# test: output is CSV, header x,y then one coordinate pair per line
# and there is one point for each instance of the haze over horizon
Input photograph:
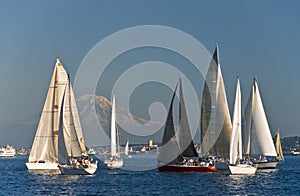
x,y
256,39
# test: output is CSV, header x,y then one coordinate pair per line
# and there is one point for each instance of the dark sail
x,y
169,152
208,106
215,118
185,138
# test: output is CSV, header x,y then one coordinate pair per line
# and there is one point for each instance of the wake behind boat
x,y
182,156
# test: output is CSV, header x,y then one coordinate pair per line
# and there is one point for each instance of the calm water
x,y
16,180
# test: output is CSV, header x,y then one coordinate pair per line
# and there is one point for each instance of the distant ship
x,y
22,151
7,151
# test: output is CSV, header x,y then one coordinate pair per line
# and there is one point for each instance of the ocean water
x,y
15,179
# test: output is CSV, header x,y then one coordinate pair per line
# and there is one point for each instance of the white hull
x,y
114,162
267,165
74,170
7,154
242,169
7,151
42,166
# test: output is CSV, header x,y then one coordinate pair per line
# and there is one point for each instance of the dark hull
x,y
185,168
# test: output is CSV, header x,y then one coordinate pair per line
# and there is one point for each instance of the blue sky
x,y
257,38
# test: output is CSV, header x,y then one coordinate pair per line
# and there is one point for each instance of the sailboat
x,y
257,138
235,164
44,151
180,156
126,152
75,160
114,161
278,147
216,124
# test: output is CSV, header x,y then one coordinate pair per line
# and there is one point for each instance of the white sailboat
x,y
75,160
114,161
126,152
257,140
215,117
235,165
44,151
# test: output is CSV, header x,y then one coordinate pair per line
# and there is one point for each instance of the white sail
x,y
236,137
45,145
114,161
235,166
72,132
113,140
258,139
126,148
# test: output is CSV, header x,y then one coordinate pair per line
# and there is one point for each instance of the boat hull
x,y
43,166
7,155
267,165
186,168
73,170
114,162
242,169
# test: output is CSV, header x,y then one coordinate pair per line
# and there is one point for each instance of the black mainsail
x,y
169,152
185,141
172,152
